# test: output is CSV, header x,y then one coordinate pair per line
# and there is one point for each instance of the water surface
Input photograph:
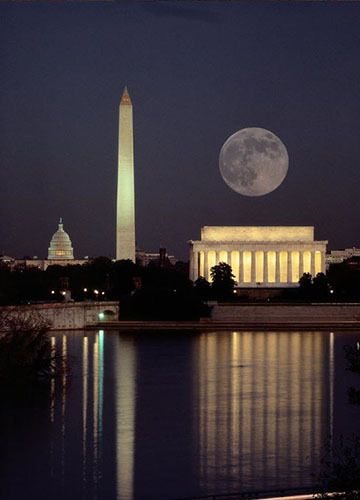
x,y
171,415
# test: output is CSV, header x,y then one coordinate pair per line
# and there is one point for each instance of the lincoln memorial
x,y
260,256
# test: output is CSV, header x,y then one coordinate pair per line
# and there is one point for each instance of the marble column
x,y
206,265
253,268
312,264
196,265
239,269
289,276
277,268
301,263
266,278
241,266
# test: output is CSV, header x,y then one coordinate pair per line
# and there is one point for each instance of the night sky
x,y
196,73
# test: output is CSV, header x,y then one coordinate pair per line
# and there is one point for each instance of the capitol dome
x,y
60,245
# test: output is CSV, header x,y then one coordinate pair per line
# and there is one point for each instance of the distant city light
x,y
63,293
96,292
52,292
102,293
85,289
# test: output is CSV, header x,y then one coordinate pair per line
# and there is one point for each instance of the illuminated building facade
x,y
260,256
339,256
60,245
125,215
60,253
160,258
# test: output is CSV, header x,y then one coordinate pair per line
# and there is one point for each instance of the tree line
x,y
166,289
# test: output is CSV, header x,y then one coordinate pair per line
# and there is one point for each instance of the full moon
x,y
253,162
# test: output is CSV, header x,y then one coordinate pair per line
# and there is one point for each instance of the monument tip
x,y
125,99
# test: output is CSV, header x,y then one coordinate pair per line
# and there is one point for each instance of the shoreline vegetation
x,y
27,357
163,295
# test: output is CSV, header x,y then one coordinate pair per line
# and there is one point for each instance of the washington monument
x,y
125,207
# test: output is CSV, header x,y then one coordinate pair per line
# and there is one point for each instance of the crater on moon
x,y
253,161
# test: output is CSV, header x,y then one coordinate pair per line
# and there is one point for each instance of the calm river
x,y
173,415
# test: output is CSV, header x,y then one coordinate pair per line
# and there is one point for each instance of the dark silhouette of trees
x,y
25,348
344,280
164,294
154,291
202,288
340,470
305,286
320,286
223,281
316,288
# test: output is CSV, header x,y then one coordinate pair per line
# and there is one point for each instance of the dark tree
x,y
202,288
122,279
344,279
223,282
305,286
340,470
320,286
25,349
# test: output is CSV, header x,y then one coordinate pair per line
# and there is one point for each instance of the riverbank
x,y
67,315
240,316
221,325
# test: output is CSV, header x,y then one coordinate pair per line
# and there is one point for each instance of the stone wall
x,y
283,313
71,316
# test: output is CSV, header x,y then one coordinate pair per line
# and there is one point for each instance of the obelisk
x,y
125,207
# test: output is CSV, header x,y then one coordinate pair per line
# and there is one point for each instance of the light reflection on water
x,y
172,415
125,369
264,413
